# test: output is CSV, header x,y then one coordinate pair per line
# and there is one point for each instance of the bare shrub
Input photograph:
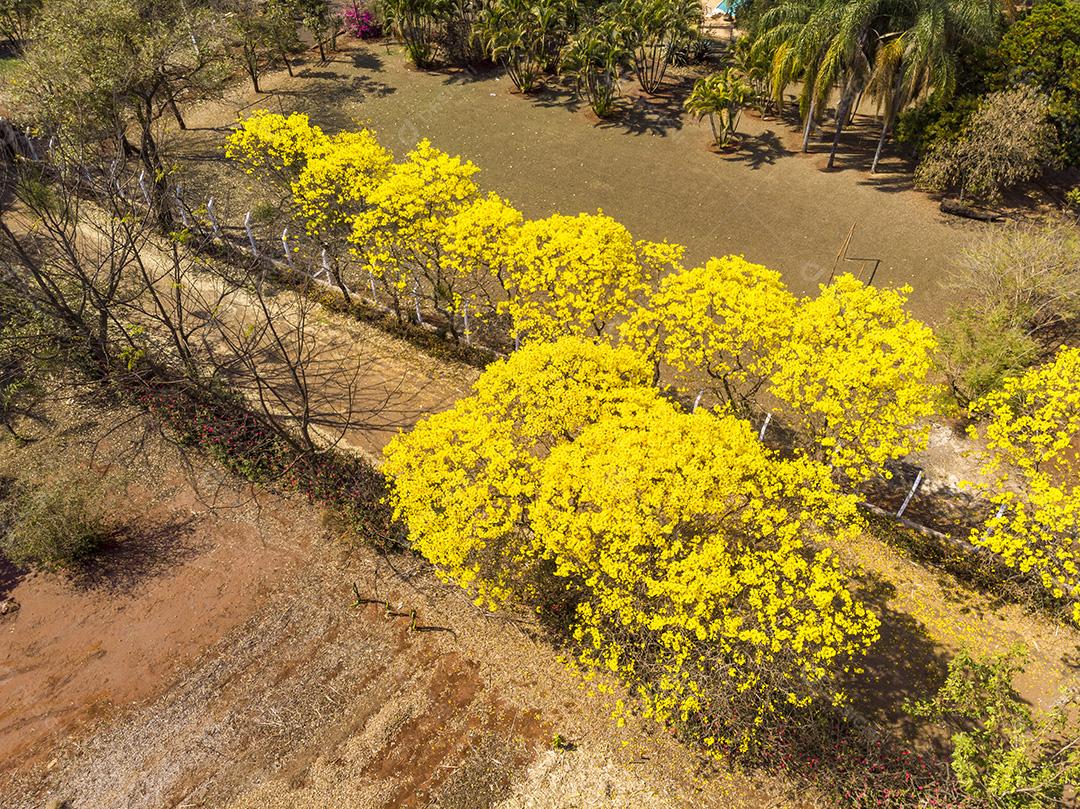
x,y
1008,140
1019,298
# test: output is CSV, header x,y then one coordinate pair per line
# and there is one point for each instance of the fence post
x,y
697,400
416,301
285,247
998,516
764,427
465,317
181,206
910,494
213,218
325,267
250,235
143,188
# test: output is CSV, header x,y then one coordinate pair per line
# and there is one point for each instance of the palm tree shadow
x,y
761,150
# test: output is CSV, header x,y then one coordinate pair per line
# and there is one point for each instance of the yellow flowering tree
x,y
687,539
464,479
274,146
476,246
334,186
679,543
397,238
720,326
852,378
1032,434
575,274
328,178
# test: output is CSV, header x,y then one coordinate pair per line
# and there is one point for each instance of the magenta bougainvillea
x,y
361,23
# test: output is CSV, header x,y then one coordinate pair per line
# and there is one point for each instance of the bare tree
x,y
1009,140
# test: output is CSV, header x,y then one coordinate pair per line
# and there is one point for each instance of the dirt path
x,y
312,700
649,168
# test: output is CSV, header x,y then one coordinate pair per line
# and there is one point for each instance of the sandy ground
x,y
650,167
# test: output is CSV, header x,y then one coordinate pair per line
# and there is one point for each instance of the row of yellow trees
x,y
689,559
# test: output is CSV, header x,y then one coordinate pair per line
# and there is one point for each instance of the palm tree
x,y
824,42
653,30
594,57
919,57
719,97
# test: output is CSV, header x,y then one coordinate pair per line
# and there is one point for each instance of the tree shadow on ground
x,y
905,664
760,150
366,60
554,94
640,113
10,576
473,74
133,554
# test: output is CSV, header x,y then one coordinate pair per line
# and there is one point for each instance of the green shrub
x,y
1004,753
56,523
980,349
922,128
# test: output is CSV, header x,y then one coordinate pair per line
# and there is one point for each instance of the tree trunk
x,y
288,64
175,109
155,170
841,117
809,124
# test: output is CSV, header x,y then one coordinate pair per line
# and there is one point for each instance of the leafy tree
x,y
575,274
852,378
99,70
1042,51
17,18
281,26
654,31
1018,296
727,320
1032,435
1004,753
980,347
321,19
1008,140
720,97
260,34
594,57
